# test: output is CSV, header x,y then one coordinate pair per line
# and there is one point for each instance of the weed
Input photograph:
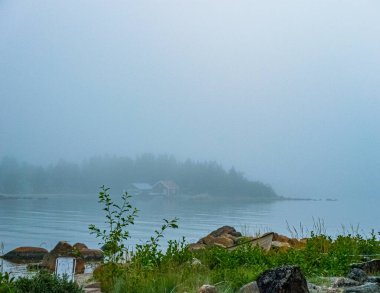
x,y
118,218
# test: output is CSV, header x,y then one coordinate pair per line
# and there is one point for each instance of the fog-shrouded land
x,y
286,91
123,173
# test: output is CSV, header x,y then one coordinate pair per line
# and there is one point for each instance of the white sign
x,y
65,267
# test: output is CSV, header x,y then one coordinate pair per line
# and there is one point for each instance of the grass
x,y
322,256
43,282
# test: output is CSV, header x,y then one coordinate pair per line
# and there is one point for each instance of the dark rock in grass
x,y
286,279
366,288
370,267
250,288
63,249
358,275
26,254
207,289
344,282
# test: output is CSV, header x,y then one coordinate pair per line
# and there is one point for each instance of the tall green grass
x,y
321,256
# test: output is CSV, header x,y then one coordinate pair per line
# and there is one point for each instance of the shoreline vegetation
x,y
340,264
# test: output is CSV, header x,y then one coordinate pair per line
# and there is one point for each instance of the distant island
x,y
145,174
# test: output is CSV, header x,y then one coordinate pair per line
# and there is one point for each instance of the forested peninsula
x,y
192,177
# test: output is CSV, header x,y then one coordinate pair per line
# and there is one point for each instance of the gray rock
x,y
195,262
358,275
366,288
344,282
314,288
369,267
286,279
250,288
207,289
373,279
63,249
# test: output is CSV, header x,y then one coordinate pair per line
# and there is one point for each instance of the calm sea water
x,y
43,220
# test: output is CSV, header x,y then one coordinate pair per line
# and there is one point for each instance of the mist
x,y
286,92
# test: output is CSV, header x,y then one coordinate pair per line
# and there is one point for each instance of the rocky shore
x,y
44,259
361,277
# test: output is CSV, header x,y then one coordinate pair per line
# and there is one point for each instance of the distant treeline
x,y
118,172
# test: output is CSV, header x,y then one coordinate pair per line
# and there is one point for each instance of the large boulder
x,y
222,240
225,230
225,236
88,254
62,249
286,279
358,275
370,267
344,282
25,254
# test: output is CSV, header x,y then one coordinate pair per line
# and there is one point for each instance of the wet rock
x,y
358,275
366,288
286,279
62,249
370,267
250,288
344,282
26,254
207,289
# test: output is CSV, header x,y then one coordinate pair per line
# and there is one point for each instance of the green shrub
x,y
45,282
6,283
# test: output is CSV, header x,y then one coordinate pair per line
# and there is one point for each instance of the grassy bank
x,y
181,270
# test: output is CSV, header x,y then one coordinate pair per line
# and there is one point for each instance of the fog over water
x,y
285,91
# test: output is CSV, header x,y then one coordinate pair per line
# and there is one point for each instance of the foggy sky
x,y
285,91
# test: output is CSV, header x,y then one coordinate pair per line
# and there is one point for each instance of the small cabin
x,y
165,187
